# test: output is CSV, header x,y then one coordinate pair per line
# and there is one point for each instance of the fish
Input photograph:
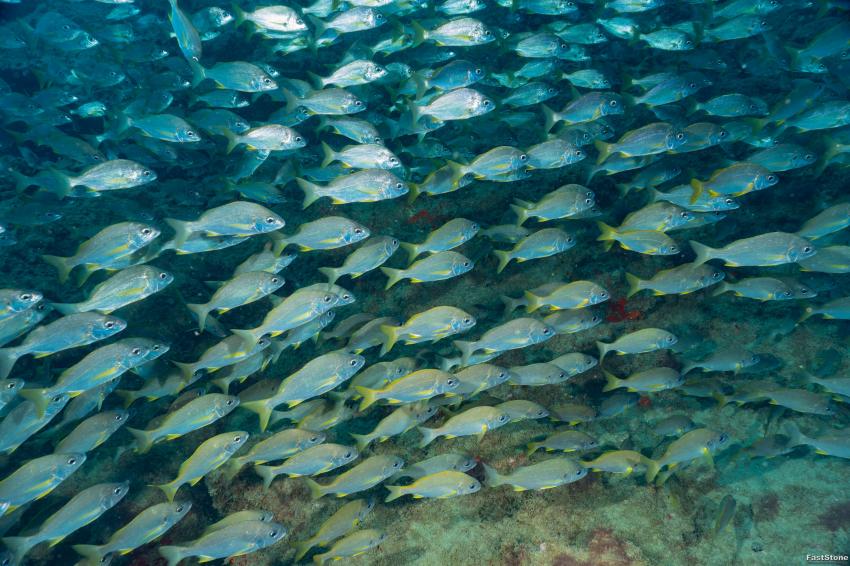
x,y
543,243
238,539
640,341
239,218
647,381
680,280
365,475
837,308
326,233
92,432
243,289
415,386
398,422
574,295
698,443
517,333
771,248
649,242
437,267
315,460
548,474
148,525
209,455
563,202
70,331
343,521
278,446
85,507
37,478
441,485
620,462
128,286
475,421
565,441
354,544
428,326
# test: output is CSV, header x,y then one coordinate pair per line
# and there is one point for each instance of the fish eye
x,y
117,491
671,339
327,298
467,320
109,325
10,385
358,231
163,275
119,417
579,152
190,133
451,382
692,85
479,71
146,173
807,249
347,455
352,363
680,136
298,139
563,46
267,81
396,464
723,437
72,461
523,157
393,160
809,157
487,103
472,486
25,296
66,27
273,534
358,103
729,201
612,103
771,178
588,201
237,438
466,264
547,331
299,21
503,418
717,274
229,402
136,351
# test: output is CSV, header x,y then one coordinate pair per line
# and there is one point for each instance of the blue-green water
x,y
560,168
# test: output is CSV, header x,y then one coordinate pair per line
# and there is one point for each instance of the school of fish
x,y
228,201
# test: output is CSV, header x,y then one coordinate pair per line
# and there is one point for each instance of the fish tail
x,y
635,285
302,548
395,493
466,350
612,382
169,489
328,155
187,370
521,213
263,410
39,398
393,276
279,243
267,474
704,253
792,431
652,469
806,314
369,396
67,308
412,251
532,448
608,233
19,546
420,34
458,171
238,15
413,193
549,117
172,554
247,336
312,192
127,396
233,467
198,72
604,150
181,229
603,349
292,101
504,259
330,273
720,289
200,311
428,435
698,187
232,140
362,440
491,476
532,302
512,304
390,337
61,264
144,439
8,358
318,81
316,490
91,551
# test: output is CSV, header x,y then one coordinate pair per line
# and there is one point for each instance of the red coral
x,y
618,312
